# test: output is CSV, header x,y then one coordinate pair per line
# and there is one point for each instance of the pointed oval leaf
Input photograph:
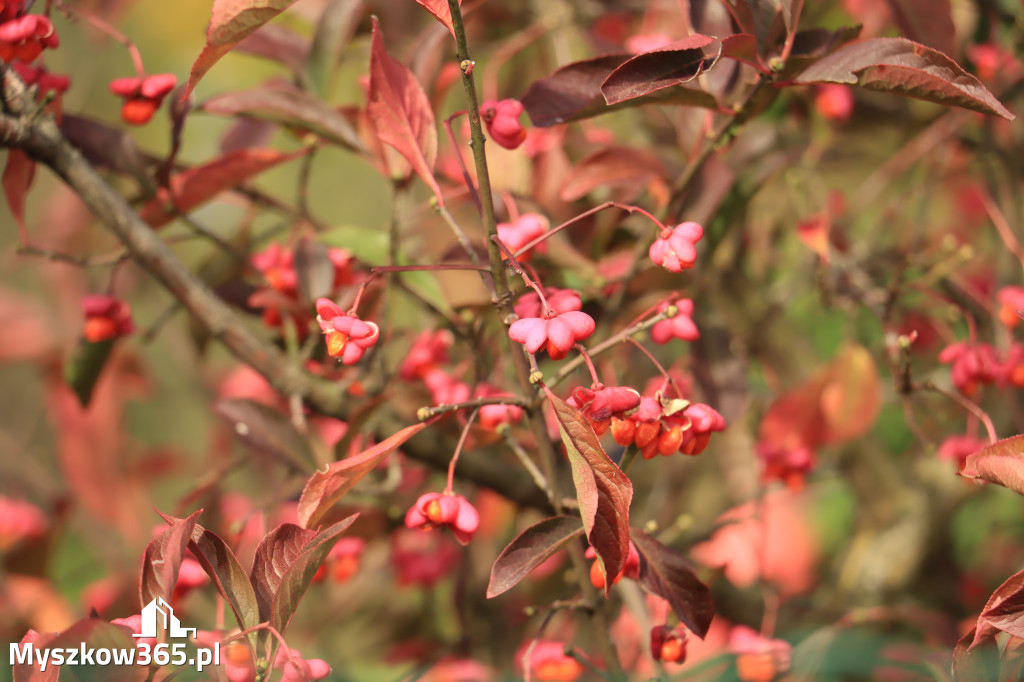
x,y
529,550
573,92
666,573
231,21
324,488
289,107
1001,463
401,112
195,186
603,491
284,565
162,559
742,47
672,64
227,574
1005,608
904,68
269,431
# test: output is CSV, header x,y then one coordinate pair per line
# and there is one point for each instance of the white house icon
x,y
170,623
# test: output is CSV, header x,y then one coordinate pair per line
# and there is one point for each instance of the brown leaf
x,y
666,573
529,550
324,488
673,64
162,559
573,92
1001,463
905,68
290,107
603,491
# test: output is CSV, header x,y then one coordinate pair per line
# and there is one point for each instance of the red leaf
x,y
193,187
926,21
840,402
975,656
610,167
324,488
284,565
231,21
573,92
401,113
905,68
742,47
17,179
1001,463
227,574
30,672
529,550
290,107
672,64
162,559
603,491
441,12
851,396
666,573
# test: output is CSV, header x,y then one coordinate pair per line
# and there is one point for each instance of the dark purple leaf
x,y
529,550
162,559
672,64
926,21
573,92
666,573
603,491
268,431
905,68
811,45
284,565
227,574
761,18
1001,463
324,488
290,107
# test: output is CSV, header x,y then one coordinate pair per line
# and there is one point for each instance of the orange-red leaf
x,y
324,488
441,12
193,187
231,21
401,113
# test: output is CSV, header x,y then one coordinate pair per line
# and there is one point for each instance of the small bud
x,y
536,377
467,66
423,413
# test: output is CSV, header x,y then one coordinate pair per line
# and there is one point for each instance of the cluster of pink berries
x,y
142,95
23,37
106,318
977,364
